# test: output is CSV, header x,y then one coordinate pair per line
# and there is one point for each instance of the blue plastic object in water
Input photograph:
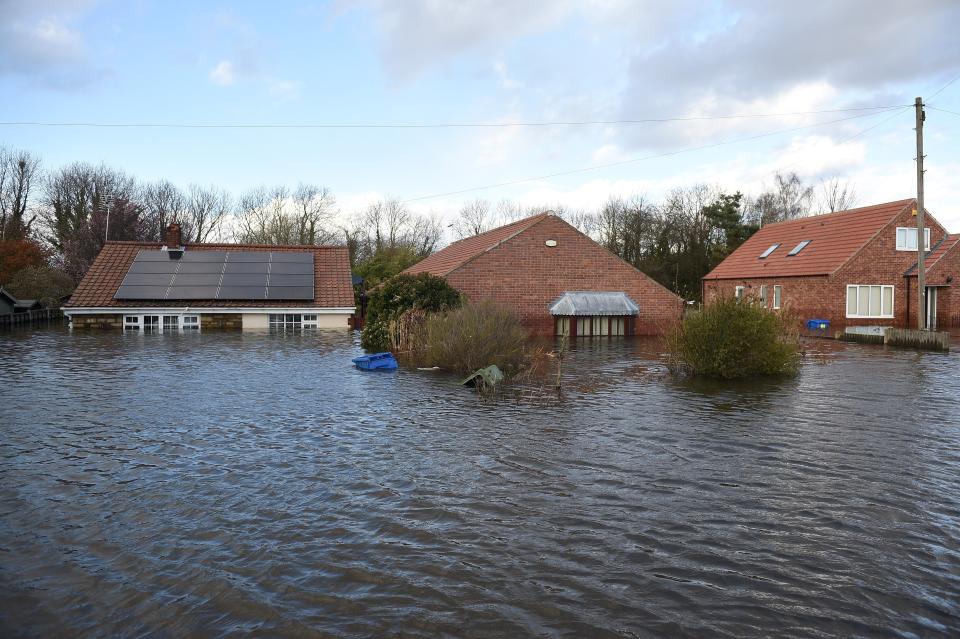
x,y
818,324
377,361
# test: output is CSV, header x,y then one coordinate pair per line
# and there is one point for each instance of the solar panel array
x,y
218,275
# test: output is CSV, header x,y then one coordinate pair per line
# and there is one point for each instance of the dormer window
x,y
799,247
765,254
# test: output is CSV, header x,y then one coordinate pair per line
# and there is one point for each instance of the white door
x,y
932,308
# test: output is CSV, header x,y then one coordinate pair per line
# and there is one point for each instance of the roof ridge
x,y
229,245
820,216
499,228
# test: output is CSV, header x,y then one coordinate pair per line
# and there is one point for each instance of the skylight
x,y
770,250
799,247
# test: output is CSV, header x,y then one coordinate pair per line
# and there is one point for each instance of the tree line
x,y
53,223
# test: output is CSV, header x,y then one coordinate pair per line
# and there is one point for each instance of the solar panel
x,y
302,279
192,293
196,279
290,293
147,279
204,256
247,267
169,267
244,279
284,268
292,257
219,275
242,293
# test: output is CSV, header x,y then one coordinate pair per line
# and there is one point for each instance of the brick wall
x,y
231,321
111,321
526,275
825,297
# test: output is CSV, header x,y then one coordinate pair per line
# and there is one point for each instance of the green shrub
x,y
42,283
731,339
471,337
400,294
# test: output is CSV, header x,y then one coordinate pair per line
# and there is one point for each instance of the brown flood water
x,y
225,484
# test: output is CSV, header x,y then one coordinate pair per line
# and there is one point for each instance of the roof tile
x,y
835,238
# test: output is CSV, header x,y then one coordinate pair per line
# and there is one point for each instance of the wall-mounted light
x,y
551,243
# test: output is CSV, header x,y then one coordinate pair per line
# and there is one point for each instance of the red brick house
x,y
852,268
557,279
159,287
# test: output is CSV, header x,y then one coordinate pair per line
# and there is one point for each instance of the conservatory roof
x,y
594,303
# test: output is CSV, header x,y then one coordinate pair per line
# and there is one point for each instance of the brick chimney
x,y
173,237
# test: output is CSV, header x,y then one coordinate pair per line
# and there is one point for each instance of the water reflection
x,y
226,483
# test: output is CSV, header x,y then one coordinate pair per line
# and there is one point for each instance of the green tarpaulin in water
x,y
489,376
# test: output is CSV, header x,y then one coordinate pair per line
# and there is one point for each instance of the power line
x,y
941,89
449,125
652,157
943,110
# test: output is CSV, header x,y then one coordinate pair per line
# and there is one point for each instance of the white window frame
x,y
777,296
185,321
905,245
739,291
763,295
292,321
868,315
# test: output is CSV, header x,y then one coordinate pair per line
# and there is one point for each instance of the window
x,y
799,247
907,239
869,301
738,292
161,323
770,250
777,296
592,326
763,295
292,321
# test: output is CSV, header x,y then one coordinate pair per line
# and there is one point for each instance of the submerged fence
x,y
29,318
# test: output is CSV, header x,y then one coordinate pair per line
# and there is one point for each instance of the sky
x,y
428,62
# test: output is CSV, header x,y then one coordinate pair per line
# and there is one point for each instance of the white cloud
x,y
40,41
223,74
506,82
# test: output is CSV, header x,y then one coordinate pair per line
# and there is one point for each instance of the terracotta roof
x,y
455,255
936,253
834,239
333,287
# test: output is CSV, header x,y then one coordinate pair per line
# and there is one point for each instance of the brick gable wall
x,y
526,275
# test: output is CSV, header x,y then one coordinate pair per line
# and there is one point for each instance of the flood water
x,y
224,484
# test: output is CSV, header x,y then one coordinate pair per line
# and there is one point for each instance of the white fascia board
x,y
160,310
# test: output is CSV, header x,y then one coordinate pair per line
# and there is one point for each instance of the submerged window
x,y
161,323
591,326
770,250
799,247
874,301
907,239
292,321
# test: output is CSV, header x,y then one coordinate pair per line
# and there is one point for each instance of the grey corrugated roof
x,y
594,303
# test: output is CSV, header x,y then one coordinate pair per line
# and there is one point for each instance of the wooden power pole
x,y
921,243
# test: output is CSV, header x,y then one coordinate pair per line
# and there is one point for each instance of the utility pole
x,y
921,243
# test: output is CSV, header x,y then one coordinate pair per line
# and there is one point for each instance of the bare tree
x,y
314,209
787,199
163,203
207,208
836,196
388,231
475,217
277,216
18,172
